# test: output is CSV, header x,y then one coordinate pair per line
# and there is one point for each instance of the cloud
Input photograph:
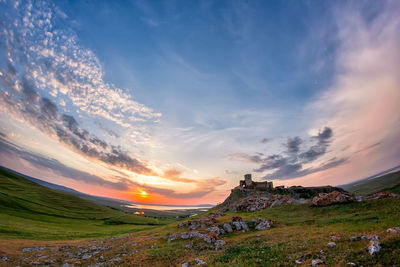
x,y
293,145
290,162
9,149
42,57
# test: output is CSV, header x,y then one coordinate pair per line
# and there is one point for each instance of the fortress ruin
x,y
248,183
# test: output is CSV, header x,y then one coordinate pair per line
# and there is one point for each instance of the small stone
x,y
185,264
219,243
299,261
335,237
374,246
200,262
4,258
86,256
351,263
189,246
331,244
316,262
394,230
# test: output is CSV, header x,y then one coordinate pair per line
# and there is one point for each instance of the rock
x,y
172,237
394,230
219,243
4,258
34,263
382,195
189,246
30,249
325,199
374,246
227,227
86,256
237,225
67,265
214,229
373,237
316,262
185,235
299,261
264,224
244,226
331,244
351,263
335,237
200,262
185,264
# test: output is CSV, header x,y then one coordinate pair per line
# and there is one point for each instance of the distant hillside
x,y
123,205
28,209
388,182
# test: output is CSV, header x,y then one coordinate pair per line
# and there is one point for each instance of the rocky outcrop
x,y
256,200
325,199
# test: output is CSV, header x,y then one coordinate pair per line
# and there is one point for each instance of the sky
x,y
172,102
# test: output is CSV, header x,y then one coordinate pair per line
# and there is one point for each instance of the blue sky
x,y
166,96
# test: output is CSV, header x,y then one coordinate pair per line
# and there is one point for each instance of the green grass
x,y
31,211
300,231
389,182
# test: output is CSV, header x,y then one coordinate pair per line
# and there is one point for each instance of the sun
x,y
143,193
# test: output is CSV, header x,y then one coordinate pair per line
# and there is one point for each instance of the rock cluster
x,y
212,233
259,201
325,199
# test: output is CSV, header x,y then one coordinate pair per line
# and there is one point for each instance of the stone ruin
x,y
248,183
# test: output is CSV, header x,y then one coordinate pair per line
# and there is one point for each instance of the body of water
x,y
161,207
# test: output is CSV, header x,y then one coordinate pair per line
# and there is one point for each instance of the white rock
x,y
394,230
374,246
185,264
316,262
300,261
200,262
331,244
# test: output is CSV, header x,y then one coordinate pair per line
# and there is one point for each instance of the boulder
x,y
264,225
227,227
394,230
219,243
325,199
374,246
214,229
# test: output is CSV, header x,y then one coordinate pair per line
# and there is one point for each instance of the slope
x,y
388,182
29,210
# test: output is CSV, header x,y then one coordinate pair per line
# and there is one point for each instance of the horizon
x,y
170,103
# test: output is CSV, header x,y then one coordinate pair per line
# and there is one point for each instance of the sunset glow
x,y
172,104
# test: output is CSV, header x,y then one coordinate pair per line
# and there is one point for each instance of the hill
x,y
170,211
387,182
31,211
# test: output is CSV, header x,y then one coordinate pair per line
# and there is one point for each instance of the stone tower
x,y
247,180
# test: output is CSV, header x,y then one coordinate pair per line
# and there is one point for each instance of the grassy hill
x,y
31,211
388,182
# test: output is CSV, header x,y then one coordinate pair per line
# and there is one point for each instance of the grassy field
x,y
388,182
300,232
31,211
